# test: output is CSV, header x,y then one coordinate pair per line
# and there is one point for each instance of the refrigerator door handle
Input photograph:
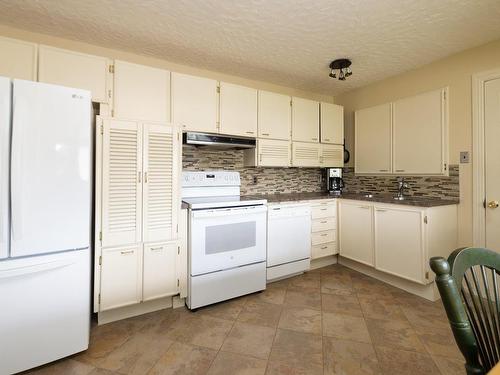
x,y
35,268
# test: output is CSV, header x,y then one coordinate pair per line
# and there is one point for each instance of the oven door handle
x,y
230,211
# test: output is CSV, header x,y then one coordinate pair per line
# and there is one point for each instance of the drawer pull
x,y
324,247
127,252
157,248
249,132
324,234
266,134
379,210
324,222
323,209
400,170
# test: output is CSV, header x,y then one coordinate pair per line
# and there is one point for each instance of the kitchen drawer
x,y
323,237
324,210
327,223
323,250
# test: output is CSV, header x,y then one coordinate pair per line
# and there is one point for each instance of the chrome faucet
x,y
402,185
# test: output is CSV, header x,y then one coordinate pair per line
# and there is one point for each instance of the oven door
x,y
226,238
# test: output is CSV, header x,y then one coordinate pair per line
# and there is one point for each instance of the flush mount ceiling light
x,y
343,68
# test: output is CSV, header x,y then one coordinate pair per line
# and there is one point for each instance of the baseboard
x,y
109,316
428,291
323,262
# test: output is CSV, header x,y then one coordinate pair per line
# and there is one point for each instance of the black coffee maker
x,y
334,180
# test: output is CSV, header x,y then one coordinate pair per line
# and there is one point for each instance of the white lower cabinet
x,y
399,242
397,239
323,228
121,277
138,273
356,231
160,277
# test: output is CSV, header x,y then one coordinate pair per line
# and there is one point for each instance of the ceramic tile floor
x,y
327,321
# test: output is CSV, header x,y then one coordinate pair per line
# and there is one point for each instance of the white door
x,y
356,231
5,95
194,103
51,172
332,155
74,69
305,120
121,276
121,182
19,59
160,277
226,238
238,110
492,162
141,92
306,154
332,123
373,140
45,311
419,134
274,115
161,160
399,246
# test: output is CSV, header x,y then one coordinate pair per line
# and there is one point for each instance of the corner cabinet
x,y
397,239
138,165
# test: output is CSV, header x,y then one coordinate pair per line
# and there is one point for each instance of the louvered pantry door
x,y
161,177
121,182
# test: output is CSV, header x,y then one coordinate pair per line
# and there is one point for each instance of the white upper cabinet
x,y
373,140
305,120
19,59
274,115
306,154
194,103
332,155
332,123
141,92
161,165
121,182
419,133
268,153
74,69
238,110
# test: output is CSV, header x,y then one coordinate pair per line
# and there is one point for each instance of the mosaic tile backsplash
x,y
308,180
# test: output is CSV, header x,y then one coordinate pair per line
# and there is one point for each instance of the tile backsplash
x,y
305,180
253,180
444,187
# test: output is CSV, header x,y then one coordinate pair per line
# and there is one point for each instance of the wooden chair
x,y
469,288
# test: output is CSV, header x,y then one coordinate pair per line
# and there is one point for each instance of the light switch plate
x,y
464,157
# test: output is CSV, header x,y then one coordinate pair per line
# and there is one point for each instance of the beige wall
x,y
10,32
454,71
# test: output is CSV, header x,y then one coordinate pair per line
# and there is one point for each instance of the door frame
x,y
478,156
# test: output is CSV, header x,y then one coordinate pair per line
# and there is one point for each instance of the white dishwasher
x,y
288,239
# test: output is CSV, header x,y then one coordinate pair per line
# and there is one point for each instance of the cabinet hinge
x,y
178,250
178,283
100,260
112,113
444,95
445,166
112,69
426,220
177,228
99,299
218,89
100,236
427,275
102,129
109,93
290,102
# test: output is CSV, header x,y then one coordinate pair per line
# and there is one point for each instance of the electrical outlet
x,y
255,179
464,157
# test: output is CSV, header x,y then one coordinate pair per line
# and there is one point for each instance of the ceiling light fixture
x,y
343,68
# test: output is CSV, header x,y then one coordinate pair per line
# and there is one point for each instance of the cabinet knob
x,y
493,204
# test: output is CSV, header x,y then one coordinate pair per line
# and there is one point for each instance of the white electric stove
x,y
226,238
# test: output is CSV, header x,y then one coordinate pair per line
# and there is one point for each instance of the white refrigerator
x,y
45,208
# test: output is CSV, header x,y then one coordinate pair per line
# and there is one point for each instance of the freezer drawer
x,y
45,312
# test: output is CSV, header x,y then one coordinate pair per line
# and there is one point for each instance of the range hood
x,y
217,141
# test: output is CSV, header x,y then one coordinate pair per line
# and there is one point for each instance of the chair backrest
x,y
469,287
